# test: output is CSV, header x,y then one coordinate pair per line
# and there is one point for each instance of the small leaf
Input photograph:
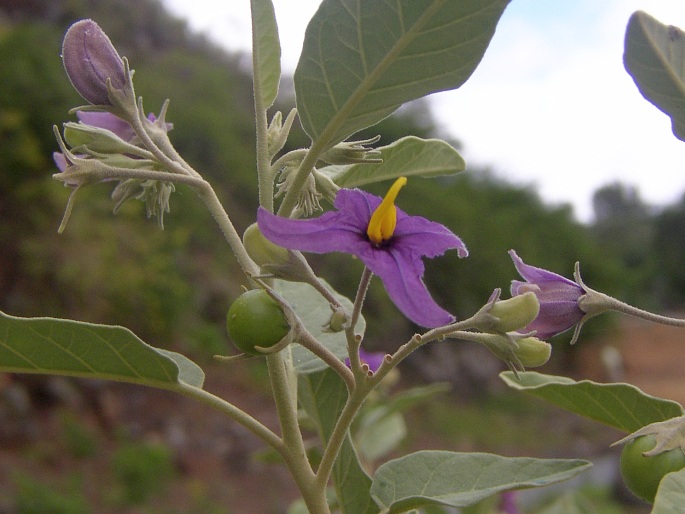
x,y
461,479
362,59
406,157
622,406
323,396
315,312
266,51
73,348
670,496
655,58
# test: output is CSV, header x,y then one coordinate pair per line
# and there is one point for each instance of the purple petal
x,y
330,232
555,318
108,121
60,160
538,275
557,295
425,237
401,275
357,206
372,359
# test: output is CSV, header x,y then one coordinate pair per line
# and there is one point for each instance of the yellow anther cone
x,y
384,218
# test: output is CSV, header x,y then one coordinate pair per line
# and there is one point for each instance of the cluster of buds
x,y
542,306
502,324
106,144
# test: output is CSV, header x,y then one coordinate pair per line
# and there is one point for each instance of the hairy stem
x,y
236,414
208,196
295,453
354,341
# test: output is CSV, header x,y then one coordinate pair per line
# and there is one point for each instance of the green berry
x,y
255,319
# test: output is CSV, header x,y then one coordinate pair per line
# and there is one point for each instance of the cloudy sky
x,y
550,105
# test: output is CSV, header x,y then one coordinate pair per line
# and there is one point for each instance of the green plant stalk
x,y
294,451
353,341
233,412
113,172
364,385
208,196
264,173
162,150
312,344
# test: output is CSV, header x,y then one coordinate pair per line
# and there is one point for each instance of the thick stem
x,y
295,453
264,174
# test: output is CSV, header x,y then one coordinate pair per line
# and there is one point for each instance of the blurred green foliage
x,y
36,497
141,470
173,287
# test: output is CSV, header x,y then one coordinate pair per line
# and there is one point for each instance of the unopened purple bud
x,y
91,60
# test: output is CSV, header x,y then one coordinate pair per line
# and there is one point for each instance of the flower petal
x,y
401,274
425,237
330,232
108,121
539,276
555,318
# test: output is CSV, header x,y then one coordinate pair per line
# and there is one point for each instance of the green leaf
x,y
266,51
622,406
73,348
315,312
655,57
362,59
375,439
670,497
406,157
461,479
380,429
323,396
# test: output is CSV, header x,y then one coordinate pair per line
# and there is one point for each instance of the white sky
x,y
550,105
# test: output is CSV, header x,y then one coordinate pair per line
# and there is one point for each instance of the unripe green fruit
x,y
261,249
532,352
255,319
642,474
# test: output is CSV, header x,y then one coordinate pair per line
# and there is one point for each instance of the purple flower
x,y
508,504
372,359
91,61
108,121
387,240
558,298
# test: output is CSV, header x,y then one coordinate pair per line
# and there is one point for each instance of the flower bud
x,y
95,139
515,313
91,61
532,352
338,321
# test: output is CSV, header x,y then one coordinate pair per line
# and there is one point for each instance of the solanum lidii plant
x,y
361,60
